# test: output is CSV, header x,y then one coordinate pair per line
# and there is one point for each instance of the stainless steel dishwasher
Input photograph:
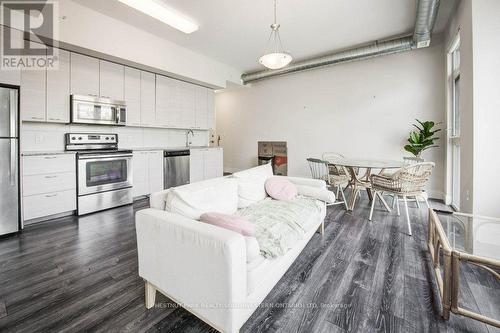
x,y
175,167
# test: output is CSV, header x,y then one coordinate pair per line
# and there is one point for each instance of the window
x,y
453,132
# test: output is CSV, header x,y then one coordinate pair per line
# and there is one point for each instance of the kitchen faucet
x,y
188,143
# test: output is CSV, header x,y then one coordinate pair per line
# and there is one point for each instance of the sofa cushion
x,y
230,222
281,189
218,195
251,184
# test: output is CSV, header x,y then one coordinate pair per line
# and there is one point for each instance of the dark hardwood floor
x,y
80,274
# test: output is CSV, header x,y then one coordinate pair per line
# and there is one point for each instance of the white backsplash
x,y
50,137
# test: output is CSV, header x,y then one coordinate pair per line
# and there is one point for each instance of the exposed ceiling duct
x,y
424,23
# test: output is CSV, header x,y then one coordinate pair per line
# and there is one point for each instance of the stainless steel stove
x,y
104,172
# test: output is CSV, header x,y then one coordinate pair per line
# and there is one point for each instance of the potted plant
x,y
422,139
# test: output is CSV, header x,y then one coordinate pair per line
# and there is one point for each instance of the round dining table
x,y
358,181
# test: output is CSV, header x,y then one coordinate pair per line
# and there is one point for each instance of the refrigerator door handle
x,y
13,113
13,165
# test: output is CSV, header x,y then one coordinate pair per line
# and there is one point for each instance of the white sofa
x,y
203,267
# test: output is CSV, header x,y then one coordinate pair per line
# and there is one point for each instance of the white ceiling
x,y
235,32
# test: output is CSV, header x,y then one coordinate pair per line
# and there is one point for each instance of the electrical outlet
x,y
467,195
38,138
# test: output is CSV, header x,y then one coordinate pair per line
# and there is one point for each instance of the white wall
x,y
92,30
462,21
362,109
479,28
50,137
486,38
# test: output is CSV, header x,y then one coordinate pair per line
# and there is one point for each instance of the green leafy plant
x,y
423,139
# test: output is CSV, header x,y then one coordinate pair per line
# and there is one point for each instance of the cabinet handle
x,y
50,157
51,195
93,95
50,177
58,119
37,118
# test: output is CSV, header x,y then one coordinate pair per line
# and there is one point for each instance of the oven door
x,y
100,173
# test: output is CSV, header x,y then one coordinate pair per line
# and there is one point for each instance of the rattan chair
x,y
339,175
409,181
321,169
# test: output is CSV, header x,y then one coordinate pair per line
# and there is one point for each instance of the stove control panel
x,y
91,141
82,138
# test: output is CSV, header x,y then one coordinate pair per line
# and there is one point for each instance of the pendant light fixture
x,y
276,58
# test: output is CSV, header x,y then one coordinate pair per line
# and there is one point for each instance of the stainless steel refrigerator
x,y
9,160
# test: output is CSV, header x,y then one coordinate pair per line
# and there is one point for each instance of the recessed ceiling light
x,y
162,13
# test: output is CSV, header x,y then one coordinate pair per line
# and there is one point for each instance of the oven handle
x,y
104,157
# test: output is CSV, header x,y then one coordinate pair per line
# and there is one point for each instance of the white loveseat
x,y
203,267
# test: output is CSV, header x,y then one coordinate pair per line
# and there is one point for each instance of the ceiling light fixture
x,y
162,13
276,58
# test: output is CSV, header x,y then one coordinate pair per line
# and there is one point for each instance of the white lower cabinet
x,y
147,172
49,185
205,163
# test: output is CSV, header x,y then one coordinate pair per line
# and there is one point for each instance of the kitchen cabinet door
x,y
196,165
132,96
164,96
155,170
12,77
201,111
111,80
213,163
140,174
148,99
188,109
210,109
84,75
58,90
33,94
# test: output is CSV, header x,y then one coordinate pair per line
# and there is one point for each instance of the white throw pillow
x,y
218,195
251,184
316,193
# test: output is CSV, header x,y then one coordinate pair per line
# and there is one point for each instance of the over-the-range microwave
x,y
99,111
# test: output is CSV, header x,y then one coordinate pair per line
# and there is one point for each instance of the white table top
x,y
363,163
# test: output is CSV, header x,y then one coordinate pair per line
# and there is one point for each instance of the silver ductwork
x,y
424,23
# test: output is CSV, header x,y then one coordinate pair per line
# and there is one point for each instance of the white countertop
x,y
59,152
50,152
172,148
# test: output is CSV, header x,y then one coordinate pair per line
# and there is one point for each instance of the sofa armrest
x,y
199,265
318,183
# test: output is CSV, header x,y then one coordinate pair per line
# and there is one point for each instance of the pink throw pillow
x,y
281,189
231,222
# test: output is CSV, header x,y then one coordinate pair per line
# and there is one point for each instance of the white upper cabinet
x,y
148,92
132,96
210,109
165,91
12,77
111,80
58,90
201,100
33,94
187,101
84,75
